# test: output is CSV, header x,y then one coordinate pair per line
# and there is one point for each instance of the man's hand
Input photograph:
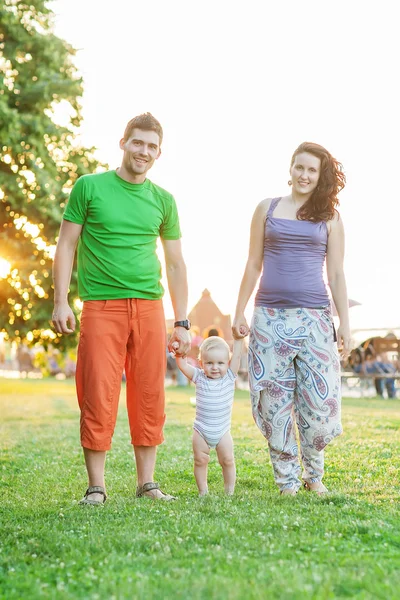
x,y
62,316
181,336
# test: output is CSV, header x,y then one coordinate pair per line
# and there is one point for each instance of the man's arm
x,y
178,290
237,353
62,269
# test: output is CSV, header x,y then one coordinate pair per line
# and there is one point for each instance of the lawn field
x,y
254,545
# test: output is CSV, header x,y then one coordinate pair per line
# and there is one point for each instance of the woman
x,y
294,369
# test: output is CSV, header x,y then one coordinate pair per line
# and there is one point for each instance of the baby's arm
x,y
182,363
237,353
184,366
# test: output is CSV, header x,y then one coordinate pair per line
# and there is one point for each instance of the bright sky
x,y
237,87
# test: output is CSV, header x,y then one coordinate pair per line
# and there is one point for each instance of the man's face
x,y
140,151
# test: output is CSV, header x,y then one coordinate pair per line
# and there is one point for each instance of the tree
x,y
39,162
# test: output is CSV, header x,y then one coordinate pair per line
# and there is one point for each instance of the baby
x,y
215,387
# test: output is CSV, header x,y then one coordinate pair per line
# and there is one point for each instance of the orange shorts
x,y
118,334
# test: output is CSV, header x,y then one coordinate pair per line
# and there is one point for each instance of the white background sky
x,y
237,87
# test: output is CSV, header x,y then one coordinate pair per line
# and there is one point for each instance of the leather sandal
x,y
321,490
94,489
143,492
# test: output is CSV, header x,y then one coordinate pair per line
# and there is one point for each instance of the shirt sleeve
x,y
197,374
77,203
170,228
231,375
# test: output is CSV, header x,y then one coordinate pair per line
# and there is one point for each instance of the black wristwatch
x,y
186,324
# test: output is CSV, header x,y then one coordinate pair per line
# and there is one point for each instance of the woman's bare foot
x,y
317,487
288,492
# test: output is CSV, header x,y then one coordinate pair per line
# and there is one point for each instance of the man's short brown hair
x,y
146,122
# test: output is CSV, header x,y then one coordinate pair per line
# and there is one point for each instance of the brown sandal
x,y
94,489
142,492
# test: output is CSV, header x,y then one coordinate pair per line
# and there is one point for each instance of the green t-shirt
x,y
121,224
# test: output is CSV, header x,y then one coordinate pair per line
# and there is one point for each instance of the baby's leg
x,y
227,462
201,453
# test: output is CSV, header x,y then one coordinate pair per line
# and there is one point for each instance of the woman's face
x,y
305,173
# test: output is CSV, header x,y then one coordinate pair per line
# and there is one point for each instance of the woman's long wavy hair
x,y
321,206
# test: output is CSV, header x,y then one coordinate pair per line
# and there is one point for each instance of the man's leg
x,y
145,368
95,462
391,387
145,457
379,386
101,354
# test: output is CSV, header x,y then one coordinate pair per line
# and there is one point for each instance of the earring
x,y
290,182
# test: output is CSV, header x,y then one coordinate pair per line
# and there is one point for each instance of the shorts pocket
x,y
95,305
327,313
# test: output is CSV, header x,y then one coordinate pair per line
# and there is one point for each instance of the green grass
x,y
255,545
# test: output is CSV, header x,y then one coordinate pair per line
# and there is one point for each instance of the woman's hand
x,y
344,341
240,328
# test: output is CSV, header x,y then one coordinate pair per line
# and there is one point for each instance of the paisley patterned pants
x,y
294,376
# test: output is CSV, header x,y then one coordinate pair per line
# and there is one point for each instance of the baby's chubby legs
x,y
226,459
227,462
201,453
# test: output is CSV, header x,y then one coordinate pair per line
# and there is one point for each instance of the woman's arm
x,y
337,281
253,269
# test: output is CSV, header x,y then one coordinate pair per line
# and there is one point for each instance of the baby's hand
x,y
243,330
175,346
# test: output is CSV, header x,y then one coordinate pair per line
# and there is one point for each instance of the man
x,y
117,217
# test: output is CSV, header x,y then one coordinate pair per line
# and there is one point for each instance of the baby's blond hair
x,y
214,341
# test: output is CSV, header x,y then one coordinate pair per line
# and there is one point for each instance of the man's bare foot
x,y
203,492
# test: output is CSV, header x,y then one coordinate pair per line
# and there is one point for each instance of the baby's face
x,y
215,362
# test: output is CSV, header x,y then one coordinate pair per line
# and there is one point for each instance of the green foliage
x,y
39,162
254,545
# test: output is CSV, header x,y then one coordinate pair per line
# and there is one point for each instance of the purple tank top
x,y
294,256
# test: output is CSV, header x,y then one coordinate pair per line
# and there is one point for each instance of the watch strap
x,y
185,324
